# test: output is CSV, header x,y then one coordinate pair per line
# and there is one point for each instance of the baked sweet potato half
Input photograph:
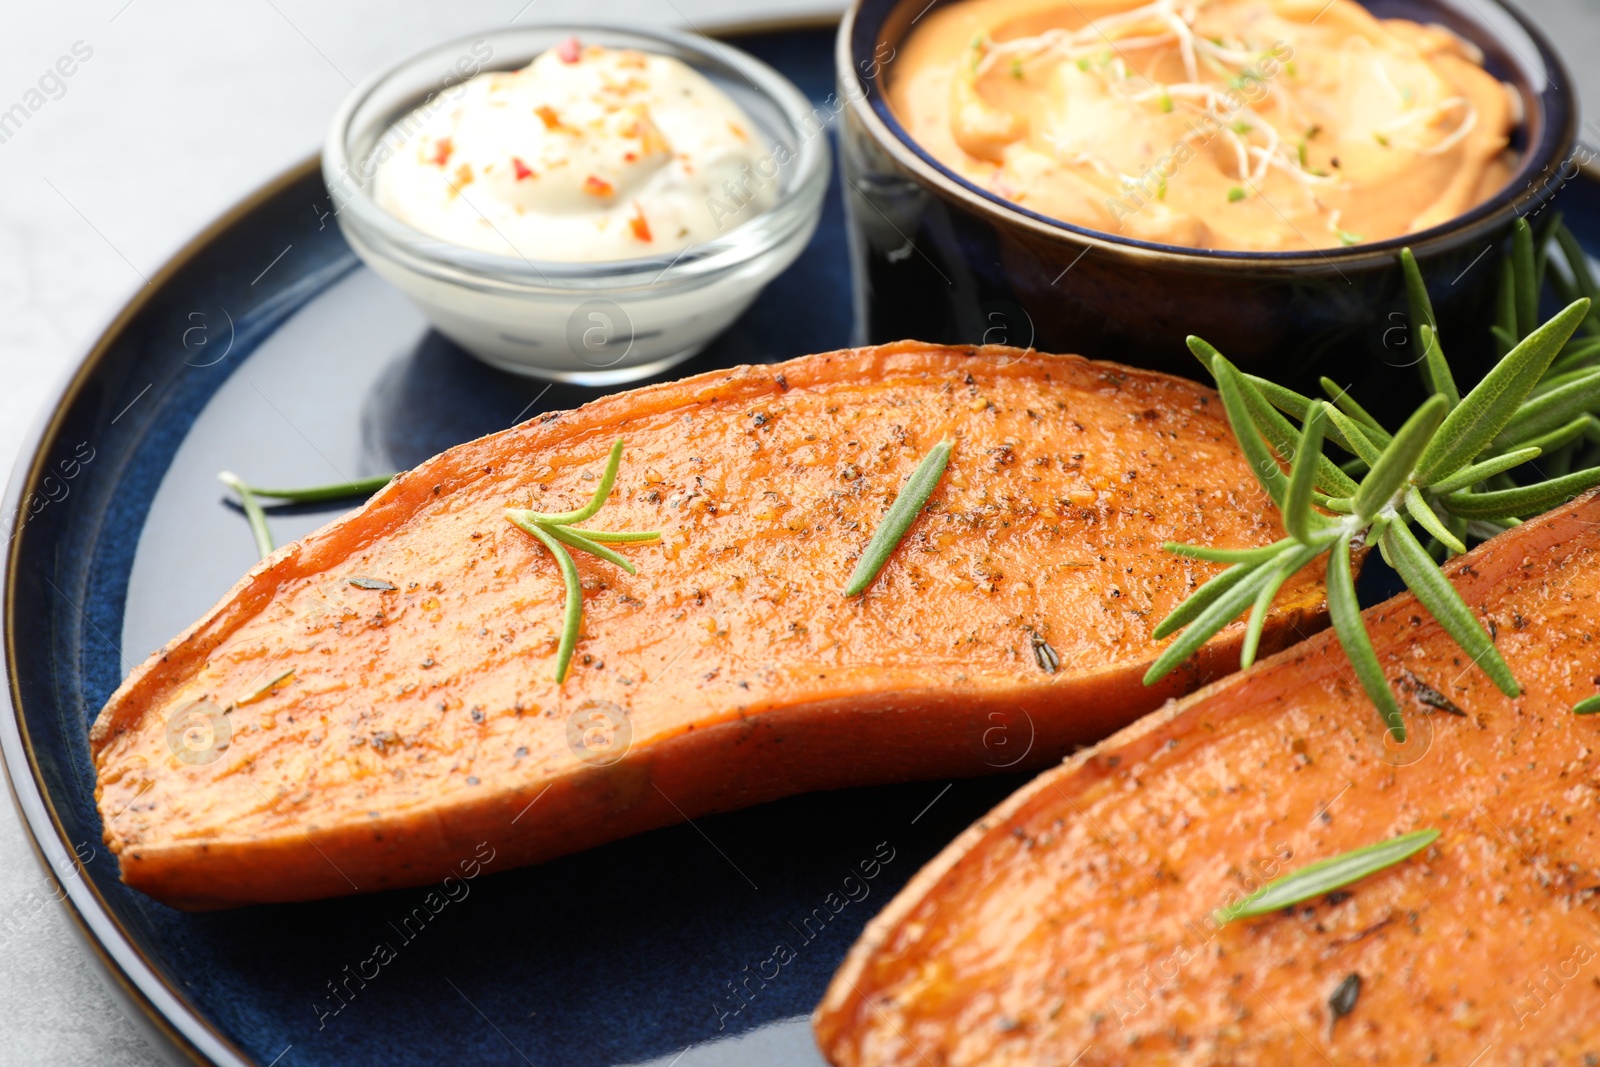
x,y
422,718
1075,923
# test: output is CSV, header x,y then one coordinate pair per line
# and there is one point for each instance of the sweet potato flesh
x,y
423,719
1073,924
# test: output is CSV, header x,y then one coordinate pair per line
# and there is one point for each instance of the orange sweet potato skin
x,y
1073,923
423,720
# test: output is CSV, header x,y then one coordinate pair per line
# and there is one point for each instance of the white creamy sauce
x,y
586,154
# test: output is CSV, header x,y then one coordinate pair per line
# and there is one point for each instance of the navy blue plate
x,y
266,349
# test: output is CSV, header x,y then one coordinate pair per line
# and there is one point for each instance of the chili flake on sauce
x,y
585,154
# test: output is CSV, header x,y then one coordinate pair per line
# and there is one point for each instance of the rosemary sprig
x,y
1447,471
250,499
902,513
1324,876
554,531
252,511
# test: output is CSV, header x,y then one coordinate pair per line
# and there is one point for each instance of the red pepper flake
x,y
597,186
552,121
441,154
570,50
641,228
521,169
652,142
630,157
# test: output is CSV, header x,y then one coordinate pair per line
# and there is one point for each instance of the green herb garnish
x,y
1446,471
553,530
1235,194
1016,69
901,514
252,511
1380,138
1347,238
1342,1001
317,494
263,690
1587,707
1166,102
249,499
1324,876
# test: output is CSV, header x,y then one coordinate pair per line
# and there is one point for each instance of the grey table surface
x,y
181,109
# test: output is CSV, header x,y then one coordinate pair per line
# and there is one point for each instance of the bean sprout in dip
x,y
1257,125
585,154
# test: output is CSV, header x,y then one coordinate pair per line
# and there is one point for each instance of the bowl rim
x,y
386,234
1525,192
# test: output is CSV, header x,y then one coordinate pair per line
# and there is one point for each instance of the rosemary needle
x,y
1324,876
572,616
252,511
901,514
1587,707
316,494
262,691
576,539
596,502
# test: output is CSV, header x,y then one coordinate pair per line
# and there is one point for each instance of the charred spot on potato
x,y
1427,695
1343,999
1045,656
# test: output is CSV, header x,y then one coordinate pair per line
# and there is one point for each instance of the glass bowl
x,y
590,323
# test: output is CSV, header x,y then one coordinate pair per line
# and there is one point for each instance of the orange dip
x,y
1261,125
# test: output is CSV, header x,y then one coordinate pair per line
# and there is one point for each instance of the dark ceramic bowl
x,y
941,259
